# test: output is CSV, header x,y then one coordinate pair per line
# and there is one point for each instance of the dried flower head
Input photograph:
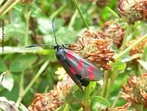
x,y
113,32
122,108
95,49
132,10
138,48
52,100
136,90
125,107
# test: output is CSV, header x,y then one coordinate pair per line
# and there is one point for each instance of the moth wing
x,y
84,68
72,73
63,60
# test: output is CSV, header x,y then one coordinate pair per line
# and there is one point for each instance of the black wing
x,y
85,69
63,60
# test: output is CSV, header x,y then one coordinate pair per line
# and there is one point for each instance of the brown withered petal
x,y
112,31
123,108
136,90
127,89
144,95
45,102
52,100
94,48
132,10
138,48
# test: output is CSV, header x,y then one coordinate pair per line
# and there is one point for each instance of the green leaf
x,y
92,86
99,102
7,80
37,12
118,65
79,94
22,63
2,66
75,106
143,63
66,35
58,23
61,108
22,107
44,25
144,57
15,31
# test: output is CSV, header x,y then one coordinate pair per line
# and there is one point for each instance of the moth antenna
x,y
36,45
53,27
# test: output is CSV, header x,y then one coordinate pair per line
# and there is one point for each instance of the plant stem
x,y
1,1
112,12
76,4
108,88
36,76
32,82
104,85
87,101
7,6
57,12
73,18
36,50
67,107
27,17
119,56
127,33
130,47
115,101
21,88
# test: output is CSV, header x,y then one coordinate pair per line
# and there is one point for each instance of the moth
x,y
79,69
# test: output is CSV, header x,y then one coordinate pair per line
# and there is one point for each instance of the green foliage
x,y
22,63
32,70
2,66
99,102
7,80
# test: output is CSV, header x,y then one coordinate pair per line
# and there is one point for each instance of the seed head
x,y
132,10
52,100
136,90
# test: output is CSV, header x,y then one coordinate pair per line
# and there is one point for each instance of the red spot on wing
x,y
69,54
80,64
72,70
90,72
